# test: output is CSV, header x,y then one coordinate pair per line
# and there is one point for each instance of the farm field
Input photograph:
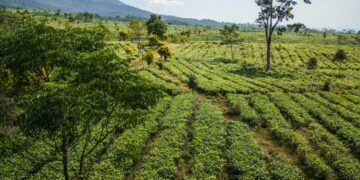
x,y
286,116
216,116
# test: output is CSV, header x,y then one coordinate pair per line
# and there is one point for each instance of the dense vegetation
x,y
86,98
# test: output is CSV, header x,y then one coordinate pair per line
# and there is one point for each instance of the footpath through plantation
x,y
182,105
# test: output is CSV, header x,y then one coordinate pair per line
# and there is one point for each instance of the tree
x,y
192,83
137,28
154,41
230,36
31,38
340,57
296,27
90,95
312,63
57,12
129,51
71,19
156,26
272,13
123,35
183,39
164,52
149,57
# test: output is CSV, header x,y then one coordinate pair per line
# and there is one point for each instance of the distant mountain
x,y
101,7
106,8
27,4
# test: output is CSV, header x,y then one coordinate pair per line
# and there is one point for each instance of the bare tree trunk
x,y
268,55
64,151
232,52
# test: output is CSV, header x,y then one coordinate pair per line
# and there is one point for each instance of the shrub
x,y
240,106
149,57
246,158
208,142
326,86
123,35
340,56
312,63
193,83
183,39
282,169
160,162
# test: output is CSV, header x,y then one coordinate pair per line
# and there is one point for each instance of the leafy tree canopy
x,y
155,25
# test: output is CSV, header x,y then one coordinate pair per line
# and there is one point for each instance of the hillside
x,y
106,8
96,98
28,4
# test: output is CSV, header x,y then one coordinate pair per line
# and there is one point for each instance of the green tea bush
x,y
208,142
246,158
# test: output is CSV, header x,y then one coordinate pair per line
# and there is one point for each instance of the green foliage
x,y
208,140
192,83
136,27
183,39
333,98
85,87
345,113
160,162
164,52
157,77
283,133
85,17
230,33
96,111
312,63
296,27
340,56
149,57
28,42
128,149
154,41
246,158
123,35
282,169
6,78
326,86
271,15
324,141
240,106
156,26
335,124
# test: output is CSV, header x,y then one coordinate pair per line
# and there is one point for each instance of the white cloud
x,y
167,2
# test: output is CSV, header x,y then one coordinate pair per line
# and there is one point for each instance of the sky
x,y
337,14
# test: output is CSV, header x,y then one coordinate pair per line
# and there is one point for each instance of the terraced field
x,y
273,136
253,125
218,118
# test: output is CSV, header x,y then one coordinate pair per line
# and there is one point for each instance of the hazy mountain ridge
x,y
108,8
28,4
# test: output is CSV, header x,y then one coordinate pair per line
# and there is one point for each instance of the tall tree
x,y
230,36
137,28
164,52
273,12
155,25
296,27
154,42
90,95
